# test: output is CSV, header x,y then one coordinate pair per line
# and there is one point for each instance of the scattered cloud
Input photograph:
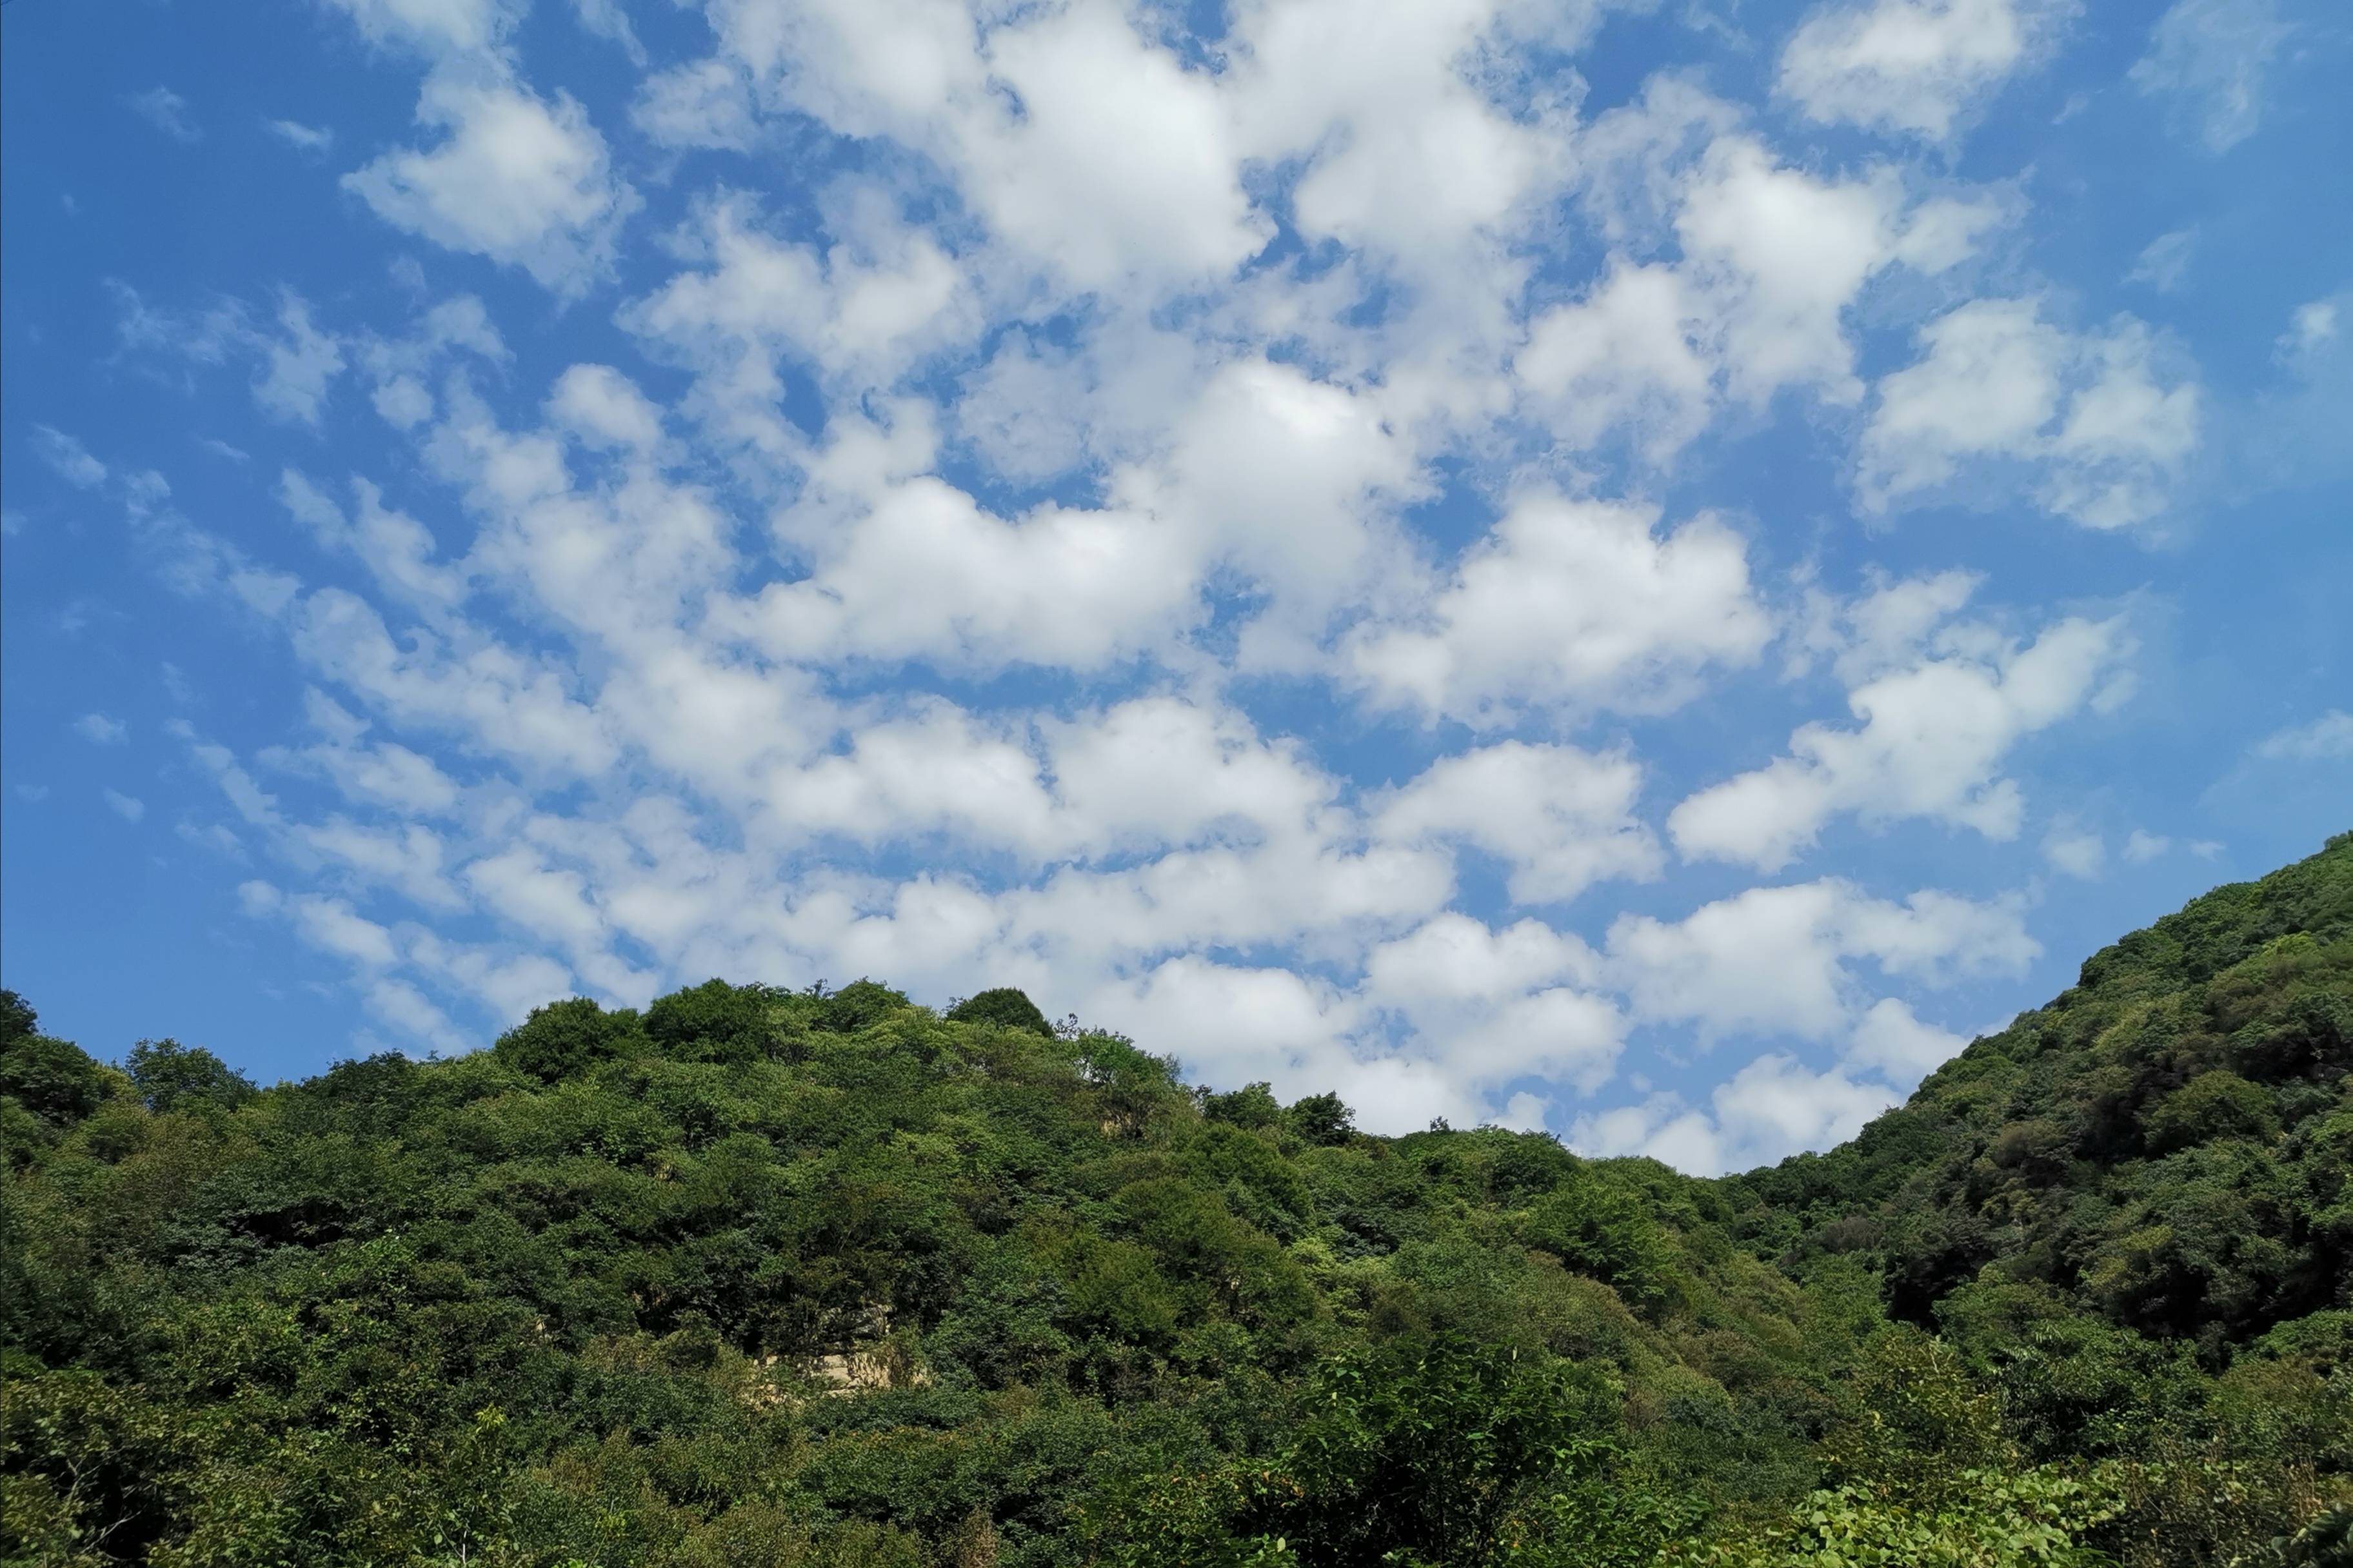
x,y
2328,736
2075,852
127,808
2164,262
2208,57
167,112
2097,425
1937,721
316,140
67,457
1915,66
1261,540
522,180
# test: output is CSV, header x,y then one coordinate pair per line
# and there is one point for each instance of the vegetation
x,y
770,1277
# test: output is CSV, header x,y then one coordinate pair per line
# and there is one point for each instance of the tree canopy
x,y
820,1277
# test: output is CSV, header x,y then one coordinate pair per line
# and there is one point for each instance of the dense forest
x,y
758,1277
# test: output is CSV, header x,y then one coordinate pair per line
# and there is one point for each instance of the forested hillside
x,y
769,1278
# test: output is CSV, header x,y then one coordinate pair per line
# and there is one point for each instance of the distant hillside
x,y
769,1278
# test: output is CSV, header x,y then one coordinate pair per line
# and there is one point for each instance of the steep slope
x,y
769,1277
2167,1141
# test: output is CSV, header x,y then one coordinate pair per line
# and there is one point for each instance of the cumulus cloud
x,y
1911,65
1891,1039
1932,733
1571,605
1154,526
703,103
432,27
99,730
1779,960
514,177
1561,819
1625,356
2098,424
1771,1107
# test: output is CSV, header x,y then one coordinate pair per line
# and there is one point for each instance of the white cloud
x,y
1770,1109
2327,737
1492,1005
1025,411
251,801
433,26
1121,161
1623,356
2094,420
704,103
524,182
1931,743
295,363
167,112
315,139
2075,852
989,501
1778,960
494,699
99,730
603,408
298,367
1782,255
1911,65
927,573
396,548
124,806
2313,327
68,459
408,860
1560,819
607,19
2209,57
384,774
1890,1039
2164,262
2142,847
409,1010
1571,605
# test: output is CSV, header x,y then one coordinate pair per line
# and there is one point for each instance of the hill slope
x,y
769,1278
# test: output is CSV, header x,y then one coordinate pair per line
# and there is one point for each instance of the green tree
x,y
1004,1006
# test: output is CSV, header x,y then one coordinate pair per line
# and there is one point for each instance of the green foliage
x,y
1322,1119
170,1075
48,1079
712,1021
1599,1228
565,1039
822,1278
1252,1105
1004,1006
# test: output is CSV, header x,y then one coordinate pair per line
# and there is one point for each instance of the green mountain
x,y
767,1278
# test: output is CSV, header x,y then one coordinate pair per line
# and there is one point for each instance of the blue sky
x,y
1645,570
